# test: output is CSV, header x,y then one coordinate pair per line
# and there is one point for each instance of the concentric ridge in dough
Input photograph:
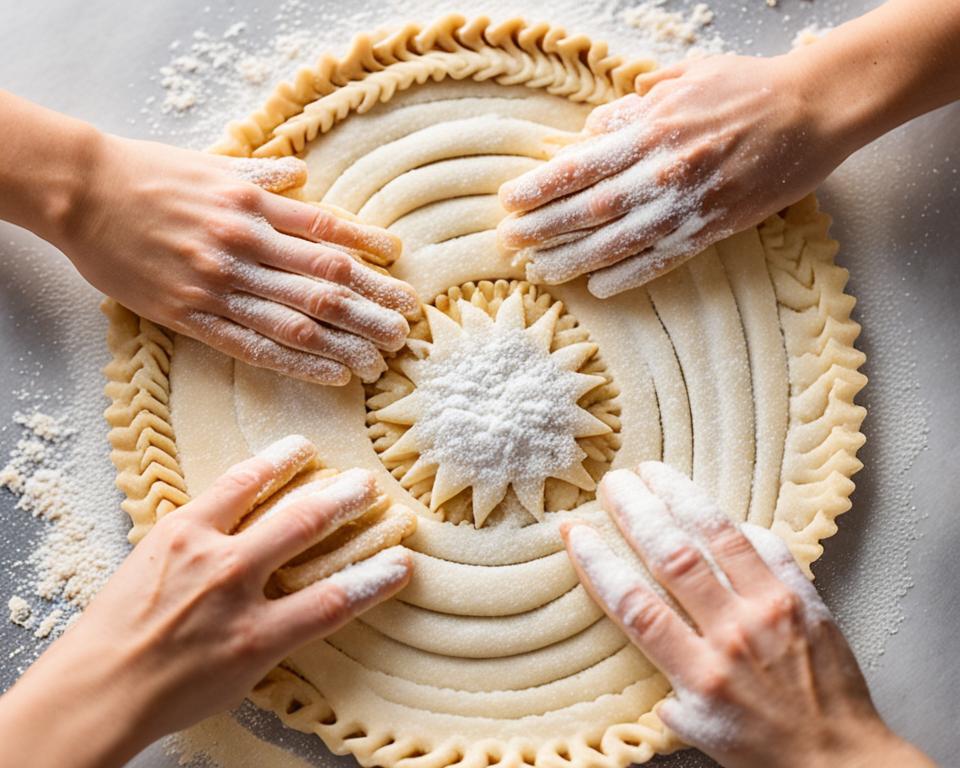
x,y
753,394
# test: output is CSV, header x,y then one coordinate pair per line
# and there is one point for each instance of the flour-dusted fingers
x,y
328,302
306,515
255,349
677,247
574,168
270,174
329,263
296,330
780,560
699,515
603,202
603,246
325,224
615,115
249,482
325,606
627,599
671,554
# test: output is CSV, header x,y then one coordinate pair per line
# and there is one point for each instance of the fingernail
x,y
369,578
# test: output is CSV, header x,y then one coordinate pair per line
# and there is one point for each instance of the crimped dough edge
x,y
824,422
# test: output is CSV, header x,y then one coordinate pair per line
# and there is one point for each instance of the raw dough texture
x,y
738,368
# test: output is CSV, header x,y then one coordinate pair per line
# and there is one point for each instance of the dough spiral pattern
x,y
738,368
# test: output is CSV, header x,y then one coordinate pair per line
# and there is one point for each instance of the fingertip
x,y
508,236
567,525
372,580
329,374
288,451
506,195
668,712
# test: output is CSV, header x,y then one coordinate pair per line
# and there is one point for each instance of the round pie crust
x,y
738,368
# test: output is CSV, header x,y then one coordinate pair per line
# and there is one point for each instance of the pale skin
x,y
183,629
763,677
753,134
188,240
731,139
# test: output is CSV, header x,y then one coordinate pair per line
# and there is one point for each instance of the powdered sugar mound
x,y
504,398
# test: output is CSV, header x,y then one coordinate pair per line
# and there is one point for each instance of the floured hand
x,y
706,148
195,242
763,678
183,629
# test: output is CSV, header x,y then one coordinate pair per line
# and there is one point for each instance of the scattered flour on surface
x,y
20,611
809,34
674,34
69,564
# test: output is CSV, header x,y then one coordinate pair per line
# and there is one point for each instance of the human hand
x,y
197,243
183,630
764,677
706,148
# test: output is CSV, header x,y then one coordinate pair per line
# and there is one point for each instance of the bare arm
x,y
199,243
183,630
711,147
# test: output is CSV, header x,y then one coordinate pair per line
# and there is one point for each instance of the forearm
x,y
45,163
883,69
76,706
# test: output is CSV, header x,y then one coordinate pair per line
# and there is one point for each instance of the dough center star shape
x,y
493,407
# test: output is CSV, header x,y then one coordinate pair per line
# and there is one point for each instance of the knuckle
x,y
322,225
321,302
244,197
233,569
304,523
643,615
331,605
334,266
600,204
730,543
232,232
734,644
298,331
238,480
680,563
783,606
178,532
714,682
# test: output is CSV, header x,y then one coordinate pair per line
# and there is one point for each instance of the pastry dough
x,y
739,368
536,408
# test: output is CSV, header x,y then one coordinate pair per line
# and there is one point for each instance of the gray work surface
x,y
896,209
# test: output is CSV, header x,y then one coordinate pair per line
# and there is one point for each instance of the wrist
x,y
862,743
45,164
837,123
69,209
